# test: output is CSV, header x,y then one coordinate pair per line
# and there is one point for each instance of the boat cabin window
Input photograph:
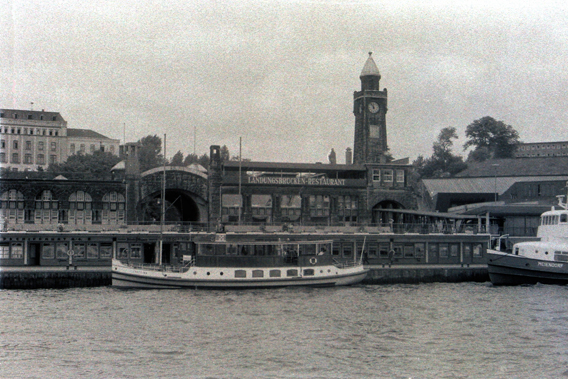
x,y
292,272
563,217
309,272
257,273
240,274
551,220
308,249
516,251
336,249
561,256
275,274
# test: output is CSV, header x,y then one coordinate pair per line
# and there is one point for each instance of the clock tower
x,y
370,109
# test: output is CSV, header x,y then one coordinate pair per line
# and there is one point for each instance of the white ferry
x,y
251,264
543,261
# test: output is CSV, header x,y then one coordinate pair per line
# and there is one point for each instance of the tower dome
x,y
370,68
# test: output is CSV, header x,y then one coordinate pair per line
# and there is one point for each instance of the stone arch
x,y
186,195
381,213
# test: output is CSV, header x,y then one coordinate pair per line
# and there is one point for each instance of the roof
x,y
535,166
481,185
499,209
190,169
292,167
431,214
9,113
119,166
370,68
84,133
197,167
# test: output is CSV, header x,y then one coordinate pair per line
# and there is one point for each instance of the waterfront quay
x,y
63,259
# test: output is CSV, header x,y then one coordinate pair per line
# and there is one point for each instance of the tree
x,y
190,159
443,162
149,154
204,161
177,159
88,166
225,154
495,138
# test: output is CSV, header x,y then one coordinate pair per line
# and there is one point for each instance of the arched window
x,y
80,208
12,207
114,207
46,208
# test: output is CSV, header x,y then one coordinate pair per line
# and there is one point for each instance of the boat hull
x,y
509,269
203,277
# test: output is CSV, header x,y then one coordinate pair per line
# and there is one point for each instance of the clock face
x,y
373,107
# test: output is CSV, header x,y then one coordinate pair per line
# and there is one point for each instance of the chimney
x,y
348,156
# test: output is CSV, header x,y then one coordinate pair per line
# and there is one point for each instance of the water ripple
x,y
466,330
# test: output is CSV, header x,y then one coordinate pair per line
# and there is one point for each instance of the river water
x,y
465,330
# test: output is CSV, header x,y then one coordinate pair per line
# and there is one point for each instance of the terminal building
x,y
367,188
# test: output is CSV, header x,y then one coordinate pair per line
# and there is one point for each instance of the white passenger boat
x,y
543,261
250,264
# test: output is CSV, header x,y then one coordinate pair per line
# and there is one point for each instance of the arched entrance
x,y
382,214
185,195
180,207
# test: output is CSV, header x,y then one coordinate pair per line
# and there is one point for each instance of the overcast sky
x,y
281,74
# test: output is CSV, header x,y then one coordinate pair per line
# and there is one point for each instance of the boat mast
x,y
240,177
163,210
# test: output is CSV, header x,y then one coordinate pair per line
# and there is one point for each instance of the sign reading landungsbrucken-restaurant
x,y
296,181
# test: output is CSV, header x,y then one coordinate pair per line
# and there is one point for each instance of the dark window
x,y
454,249
419,252
408,251
347,249
443,250
384,250
292,272
240,274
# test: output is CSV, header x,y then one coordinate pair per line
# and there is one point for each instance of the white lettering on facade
x,y
547,264
297,181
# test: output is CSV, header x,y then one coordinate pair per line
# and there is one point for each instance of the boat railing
x,y
345,264
163,268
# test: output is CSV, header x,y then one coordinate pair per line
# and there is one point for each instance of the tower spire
x,y
370,68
